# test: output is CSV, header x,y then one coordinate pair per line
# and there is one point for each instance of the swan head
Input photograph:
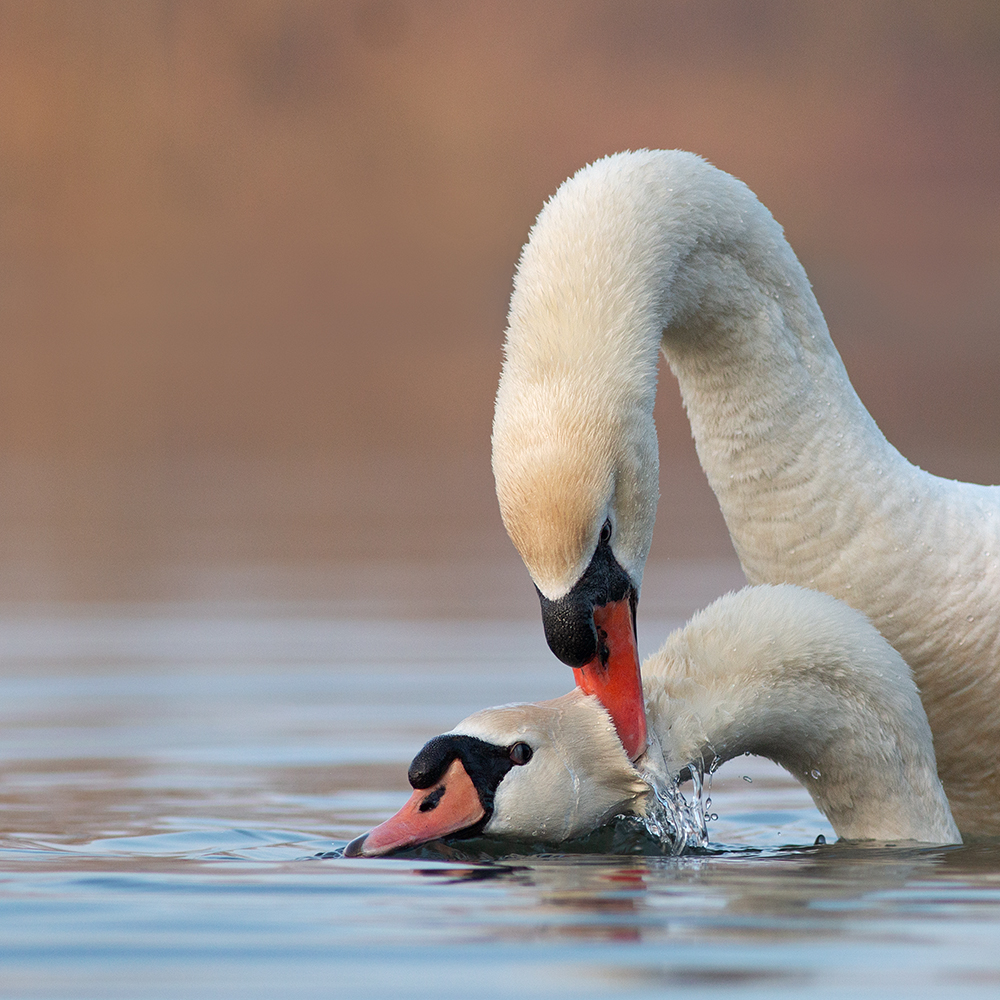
x,y
544,772
576,467
572,515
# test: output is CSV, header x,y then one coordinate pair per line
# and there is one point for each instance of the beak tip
x,y
356,848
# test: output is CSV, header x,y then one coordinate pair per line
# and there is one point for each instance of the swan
x,y
658,250
779,671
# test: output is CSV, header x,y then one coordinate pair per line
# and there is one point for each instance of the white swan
x,y
787,673
659,250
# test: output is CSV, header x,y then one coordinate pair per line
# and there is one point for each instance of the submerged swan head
x,y
786,673
545,772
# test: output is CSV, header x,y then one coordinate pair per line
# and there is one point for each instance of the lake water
x,y
177,780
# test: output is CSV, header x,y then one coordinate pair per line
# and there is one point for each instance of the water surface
x,y
177,779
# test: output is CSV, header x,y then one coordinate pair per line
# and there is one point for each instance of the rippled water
x,y
173,775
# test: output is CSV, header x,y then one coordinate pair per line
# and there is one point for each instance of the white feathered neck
x,y
801,678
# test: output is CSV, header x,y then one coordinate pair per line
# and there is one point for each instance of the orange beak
x,y
452,804
613,674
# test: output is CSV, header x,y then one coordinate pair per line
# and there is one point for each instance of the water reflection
x,y
779,895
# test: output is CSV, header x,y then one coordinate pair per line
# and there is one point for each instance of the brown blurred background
x,y
255,259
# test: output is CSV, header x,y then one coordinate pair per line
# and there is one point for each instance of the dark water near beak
x,y
170,774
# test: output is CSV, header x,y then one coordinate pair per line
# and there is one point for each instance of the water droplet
x,y
970,618
815,774
819,840
669,816
748,779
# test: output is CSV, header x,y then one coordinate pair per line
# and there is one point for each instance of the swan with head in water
x,y
659,250
782,672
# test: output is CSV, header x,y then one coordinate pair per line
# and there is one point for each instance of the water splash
x,y
669,816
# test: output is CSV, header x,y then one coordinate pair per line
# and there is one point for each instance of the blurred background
x,y
255,260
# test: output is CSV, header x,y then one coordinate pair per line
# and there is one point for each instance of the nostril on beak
x,y
431,801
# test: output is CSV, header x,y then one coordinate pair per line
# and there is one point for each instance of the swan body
x,y
782,672
653,250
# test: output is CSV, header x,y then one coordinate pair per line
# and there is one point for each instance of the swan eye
x,y
606,532
520,753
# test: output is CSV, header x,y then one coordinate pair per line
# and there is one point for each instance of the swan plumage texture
x,y
787,673
658,250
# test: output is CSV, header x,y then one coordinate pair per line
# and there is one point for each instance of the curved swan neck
x,y
833,704
659,250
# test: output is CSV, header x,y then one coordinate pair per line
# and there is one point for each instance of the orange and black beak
x,y
613,674
592,629
455,779
451,805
